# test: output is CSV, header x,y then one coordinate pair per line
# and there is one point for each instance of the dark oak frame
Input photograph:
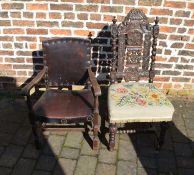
x,y
128,35
91,84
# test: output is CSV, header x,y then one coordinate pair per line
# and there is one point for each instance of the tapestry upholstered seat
x,y
132,95
138,102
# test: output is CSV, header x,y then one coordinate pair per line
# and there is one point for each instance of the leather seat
x,y
61,104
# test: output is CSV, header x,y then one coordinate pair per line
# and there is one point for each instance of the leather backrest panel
x,y
67,60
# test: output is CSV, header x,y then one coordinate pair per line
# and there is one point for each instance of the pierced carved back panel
x,y
131,57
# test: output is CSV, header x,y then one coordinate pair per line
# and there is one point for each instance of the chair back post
x,y
154,44
114,33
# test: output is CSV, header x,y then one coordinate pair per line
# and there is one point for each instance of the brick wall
x,y
24,24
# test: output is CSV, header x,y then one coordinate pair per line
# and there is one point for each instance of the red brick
x,y
77,1
190,5
14,60
7,45
95,17
61,7
24,53
175,4
162,43
83,32
160,58
41,15
47,24
182,13
28,14
5,66
30,73
167,29
3,14
5,23
24,73
37,31
124,2
26,38
180,79
99,1
23,23
15,14
37,6
6,38
111,9
184,60
191,31
29,60
32,46
72,24
43,38
86,8
149,2
60,32
95,25
9,6
8,73
179,38
177,45
6,52
189,23
175,21
82,16
162,79
181,30
189,46
173,59
69,15
107,18
13,31
55,15
188,74
156,11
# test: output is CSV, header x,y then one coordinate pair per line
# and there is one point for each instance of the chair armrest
x,y
95,85
26,89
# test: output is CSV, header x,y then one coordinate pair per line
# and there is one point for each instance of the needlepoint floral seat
x,y
138,102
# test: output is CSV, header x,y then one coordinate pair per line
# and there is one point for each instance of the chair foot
x,y
112,133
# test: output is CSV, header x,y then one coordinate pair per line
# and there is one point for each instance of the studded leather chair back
x,y
132,41
66,60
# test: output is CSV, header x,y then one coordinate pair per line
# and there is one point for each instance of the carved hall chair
x,y
66,64
130,101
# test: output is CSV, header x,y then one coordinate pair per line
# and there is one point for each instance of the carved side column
x,y
114,33
154,44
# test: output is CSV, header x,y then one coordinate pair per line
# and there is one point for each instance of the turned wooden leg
x,y
95,131
34,131
163,128
112,133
